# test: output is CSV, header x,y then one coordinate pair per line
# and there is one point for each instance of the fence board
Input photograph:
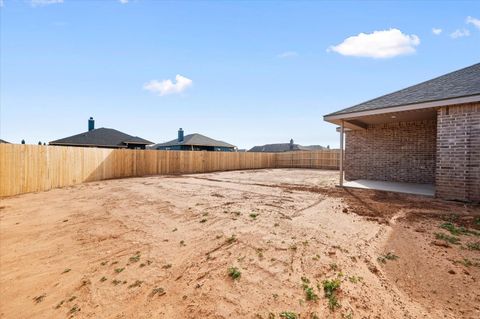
x,y
33,168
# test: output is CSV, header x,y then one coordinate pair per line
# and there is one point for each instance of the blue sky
x,y
251,73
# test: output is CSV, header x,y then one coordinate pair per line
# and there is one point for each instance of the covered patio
x,y
423,140
397,187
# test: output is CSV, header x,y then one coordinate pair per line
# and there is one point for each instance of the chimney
x,y
91,124
291,144
180,135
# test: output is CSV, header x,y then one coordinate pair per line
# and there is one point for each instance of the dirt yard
x,y
246,244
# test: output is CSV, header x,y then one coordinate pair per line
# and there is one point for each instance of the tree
x,y
39,143
23,141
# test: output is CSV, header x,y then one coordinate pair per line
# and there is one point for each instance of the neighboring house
x,y
194,142
428,133
285,147
102,137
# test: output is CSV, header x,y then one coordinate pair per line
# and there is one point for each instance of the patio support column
x,y
341,153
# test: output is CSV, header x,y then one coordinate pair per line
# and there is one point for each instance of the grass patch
x,y
116,282
72,298
103,279
167,266
204,220
137,283
74,309
66,270
310,295
135,258
454,230
450,239
288,315
119,270
234,273
388,256
182,243
253,215
103,263
355,279
330,288
474,246
467,262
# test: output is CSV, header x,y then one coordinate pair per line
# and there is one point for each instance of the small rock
x,y
345,210
451,271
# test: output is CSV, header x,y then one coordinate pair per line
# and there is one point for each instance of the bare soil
x,y
161,247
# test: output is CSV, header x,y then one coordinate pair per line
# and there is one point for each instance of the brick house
x,y
428,133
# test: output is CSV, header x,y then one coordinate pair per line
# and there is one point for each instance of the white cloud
x,y
287,54
36,3
379,44
123,1
165,87
436,31
474,21
460,33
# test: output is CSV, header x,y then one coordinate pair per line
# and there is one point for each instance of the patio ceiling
x,y
361,122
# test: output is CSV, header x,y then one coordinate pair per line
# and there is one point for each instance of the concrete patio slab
x,y
409,188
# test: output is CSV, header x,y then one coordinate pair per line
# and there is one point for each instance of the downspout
x,y
341,153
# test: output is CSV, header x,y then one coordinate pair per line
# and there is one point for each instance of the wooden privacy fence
x,y
32,168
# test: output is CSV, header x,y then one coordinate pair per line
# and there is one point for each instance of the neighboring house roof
x,y
284,147
105,137
4,142
196,140
462,83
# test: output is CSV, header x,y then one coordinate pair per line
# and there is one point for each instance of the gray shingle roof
x,y
195,139
105,137
284,147
460,83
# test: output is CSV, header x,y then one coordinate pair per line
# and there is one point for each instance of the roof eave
x,y
336,118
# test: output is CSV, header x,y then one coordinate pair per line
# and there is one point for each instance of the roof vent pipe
x,y
91,124
180,135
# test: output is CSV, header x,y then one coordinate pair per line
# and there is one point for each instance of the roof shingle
x,y
195,139
103,137
461,83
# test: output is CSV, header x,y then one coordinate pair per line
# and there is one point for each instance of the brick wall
x,y
399,152
458,152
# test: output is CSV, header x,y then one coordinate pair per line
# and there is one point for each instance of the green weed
x,y
458,230
288,315
450,239
234,273
135,258
330,288
474,246
137,283
387,256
